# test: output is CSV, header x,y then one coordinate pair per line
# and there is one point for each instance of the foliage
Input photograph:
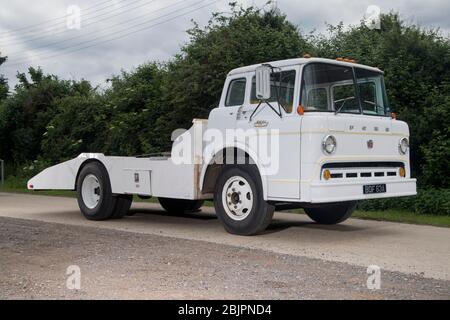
x,y
416,63
137,102
78,125
25,115
195,77
4,88
427,201
433,127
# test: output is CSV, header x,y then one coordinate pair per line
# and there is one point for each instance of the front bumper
x,y
321,192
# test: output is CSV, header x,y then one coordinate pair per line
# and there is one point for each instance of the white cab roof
x,y
299,61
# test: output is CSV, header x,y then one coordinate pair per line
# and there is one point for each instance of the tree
x,y
416,63
79,125
3,82
136,103
434,123
24,116
243,37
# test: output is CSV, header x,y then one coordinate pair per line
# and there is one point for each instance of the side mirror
x,y
263,82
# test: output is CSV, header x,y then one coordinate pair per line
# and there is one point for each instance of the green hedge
x,y
427,201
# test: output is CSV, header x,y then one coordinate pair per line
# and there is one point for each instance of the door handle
x,y
239,113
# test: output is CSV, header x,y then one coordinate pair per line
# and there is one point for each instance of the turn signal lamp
x,y
300,110
326,174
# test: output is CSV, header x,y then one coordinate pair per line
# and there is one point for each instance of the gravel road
x,y
153,255
34,257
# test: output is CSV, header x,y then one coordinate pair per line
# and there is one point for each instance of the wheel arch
x,y
211,171
85,163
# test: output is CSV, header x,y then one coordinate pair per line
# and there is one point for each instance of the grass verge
x,y
19,186
404,217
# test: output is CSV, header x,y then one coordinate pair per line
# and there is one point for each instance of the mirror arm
x,y
257,107
279,113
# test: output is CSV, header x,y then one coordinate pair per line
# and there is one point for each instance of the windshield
x,y
331,88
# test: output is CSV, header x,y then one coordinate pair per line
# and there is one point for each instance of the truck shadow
x,y
198,215
295,226
279,225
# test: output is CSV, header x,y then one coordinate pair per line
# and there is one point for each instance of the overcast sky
x,y
121,34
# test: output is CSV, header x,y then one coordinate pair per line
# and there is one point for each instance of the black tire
x,y
106,202
331,213
260,215
123,204
176,206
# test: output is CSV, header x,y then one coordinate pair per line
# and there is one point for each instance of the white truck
x,y
305,133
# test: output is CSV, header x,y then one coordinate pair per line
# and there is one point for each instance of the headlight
x,y
329,144
403,146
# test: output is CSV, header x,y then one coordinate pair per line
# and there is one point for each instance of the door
x,y
277,127
223,118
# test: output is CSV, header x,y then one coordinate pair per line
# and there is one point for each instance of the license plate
x,y
374,188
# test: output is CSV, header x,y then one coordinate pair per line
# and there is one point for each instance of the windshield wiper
x,y
343,103
377,106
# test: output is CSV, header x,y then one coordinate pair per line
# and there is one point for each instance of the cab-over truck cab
x,y
337,140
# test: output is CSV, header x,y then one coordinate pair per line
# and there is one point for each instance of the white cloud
x,y
103,20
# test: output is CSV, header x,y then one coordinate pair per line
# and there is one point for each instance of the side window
x,y
236,92
282,85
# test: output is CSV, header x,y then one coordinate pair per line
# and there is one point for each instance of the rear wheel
x,y
94,194
239,202
180,205
123,204
332,213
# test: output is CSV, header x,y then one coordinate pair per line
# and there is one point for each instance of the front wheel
x,y
332,213
239,201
